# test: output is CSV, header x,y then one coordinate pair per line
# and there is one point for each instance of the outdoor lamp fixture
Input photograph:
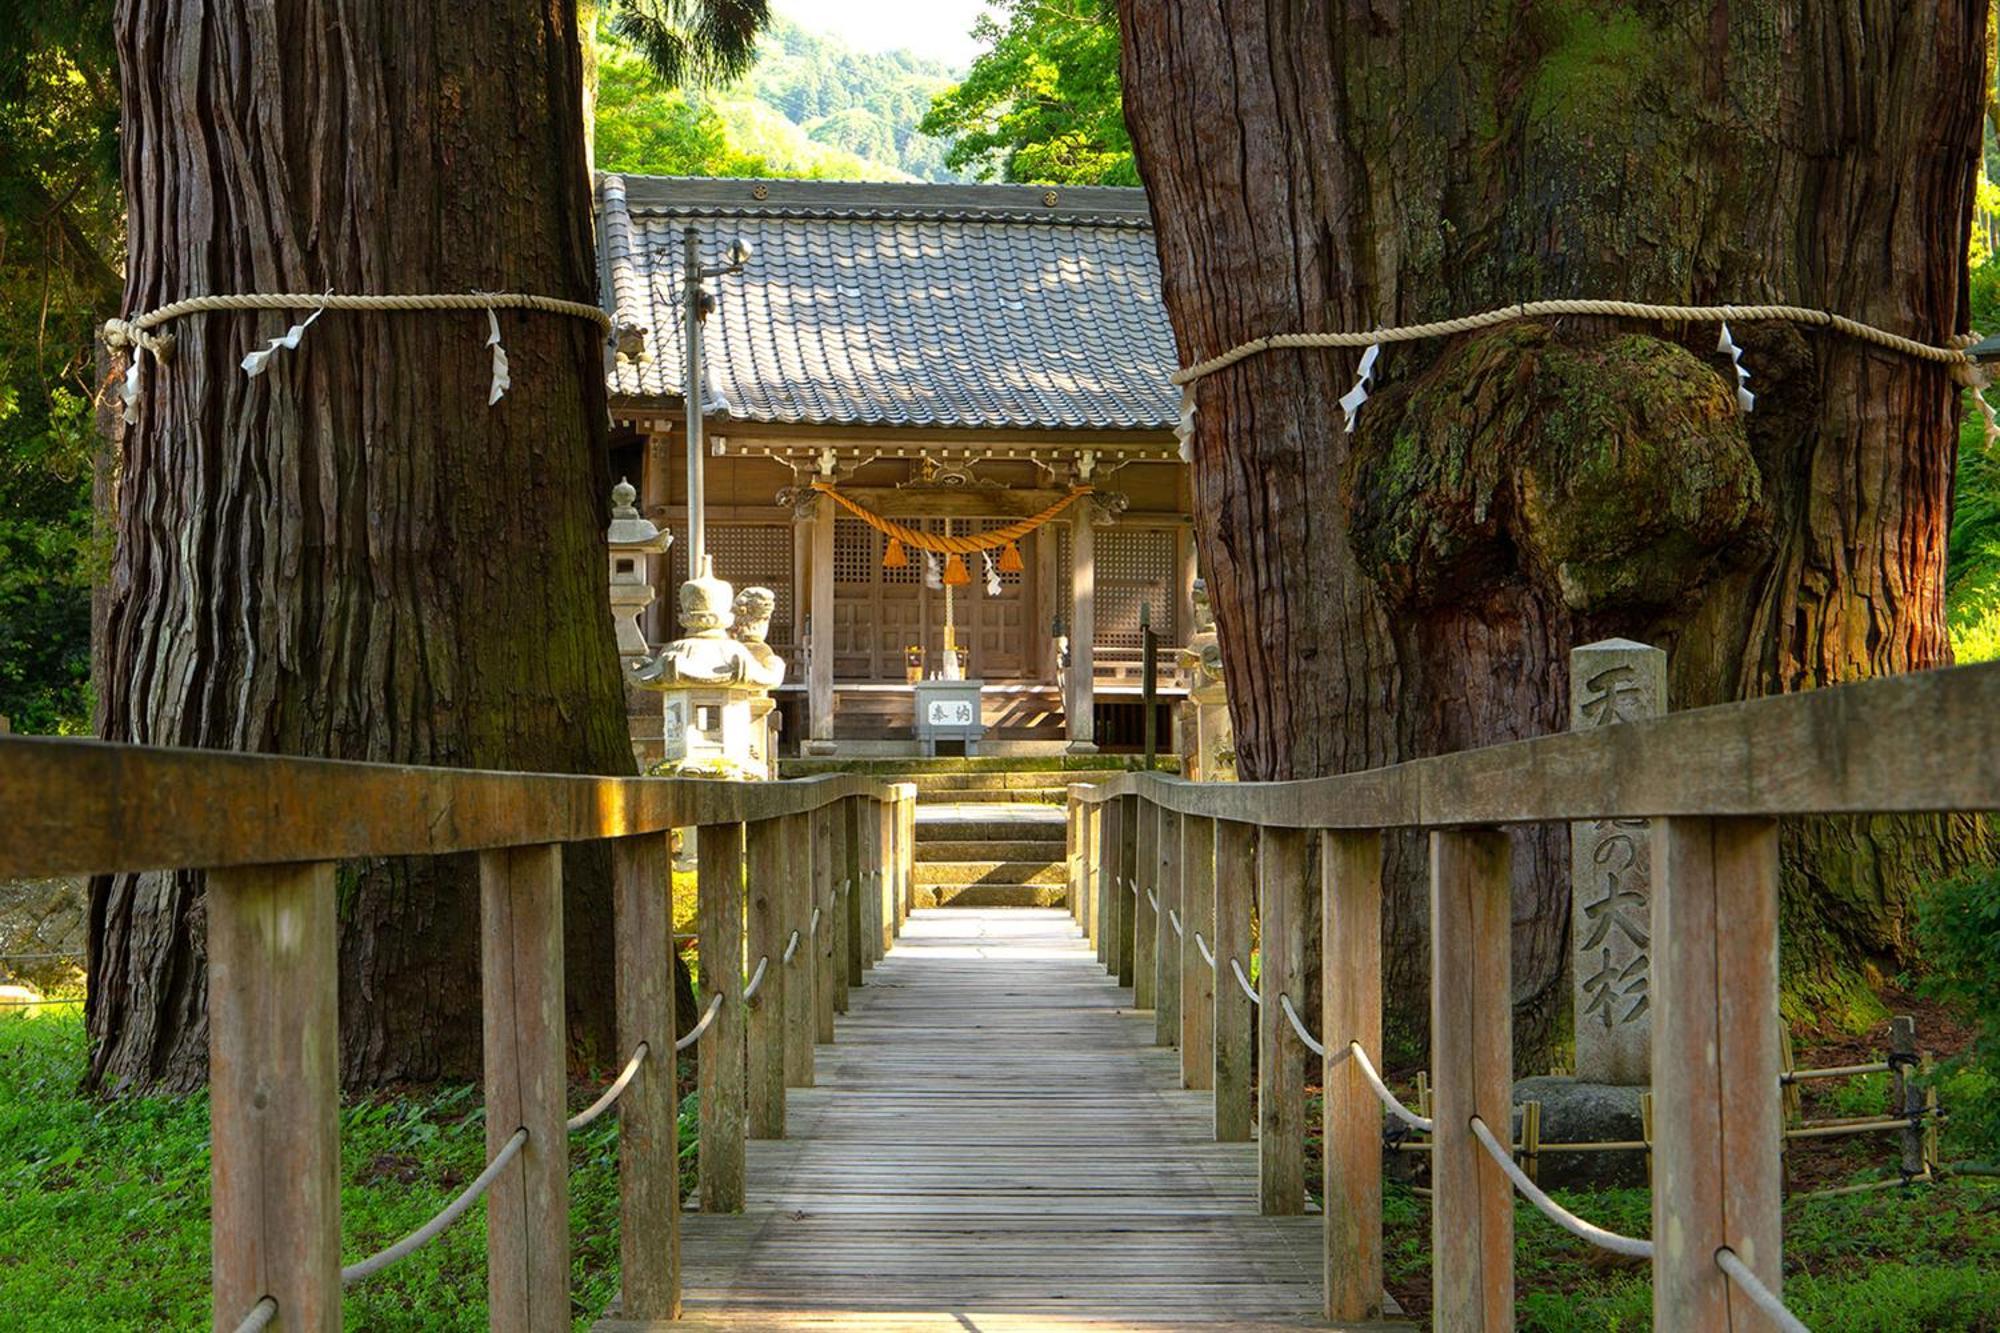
x,y
696,305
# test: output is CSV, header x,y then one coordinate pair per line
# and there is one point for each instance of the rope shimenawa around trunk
x,y
138,331
1967,371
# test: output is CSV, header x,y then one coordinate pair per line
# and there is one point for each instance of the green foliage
x,y
61,224
1044,104
106,1224
1972,571
809,108
694,42
1958,931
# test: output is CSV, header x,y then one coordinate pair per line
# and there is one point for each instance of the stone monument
x,y
750,624
1209,746
711,681
1611,865
631,539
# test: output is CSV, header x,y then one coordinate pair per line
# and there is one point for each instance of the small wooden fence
x,y
1167,872
804,881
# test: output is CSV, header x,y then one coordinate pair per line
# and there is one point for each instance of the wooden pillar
x,y
1235,898
1087,878
1472,1074
1145,927
1281,1090
1099,887
1198,979
819,671
1125,867
1717,1108
885,875
1184,552
906,853
1167,950
649,1172
766,868
1081,706
1351,1010
719,920
274,1090
822,921
1072,852
854,893
521,979
801,988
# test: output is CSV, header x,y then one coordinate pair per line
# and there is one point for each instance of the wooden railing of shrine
x,y
1168,875
802,886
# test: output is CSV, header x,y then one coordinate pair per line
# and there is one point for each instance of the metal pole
x,y
691,398
1149,688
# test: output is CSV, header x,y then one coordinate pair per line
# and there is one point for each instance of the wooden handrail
x,y
96,807
1925,742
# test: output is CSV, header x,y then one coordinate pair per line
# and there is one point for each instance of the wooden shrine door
x,y
879,612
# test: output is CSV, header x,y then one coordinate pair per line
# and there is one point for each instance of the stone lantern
x,y
1208,745
631,539
712,683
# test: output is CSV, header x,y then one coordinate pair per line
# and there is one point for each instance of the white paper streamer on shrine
x,y
933,575
992,575
1351,401
501,381
1745,400
130,390
258,361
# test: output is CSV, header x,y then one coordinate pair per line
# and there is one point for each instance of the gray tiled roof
x,y
906,305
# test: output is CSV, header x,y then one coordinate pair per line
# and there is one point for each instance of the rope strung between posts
x,y
812,926
1388,1099
791,947
611,1094
1154,899
1964,369
1760,1295
1201,947
138,333
260,1316
1174,920
756,979
694,1033
1285,1003
1244,982
429,1231
1555,1212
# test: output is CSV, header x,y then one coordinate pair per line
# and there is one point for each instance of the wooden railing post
x,y
1127,866
1099,887
1145,926
1073,854
801,987
1235,895
274,1093
1717,1107
521,976
649,1189
884,853
1114,911
1167,946
906,854
1197,865
719,919
1472,1074
853,893
1281,1090
1086,879
767,870
829,967
1351,1010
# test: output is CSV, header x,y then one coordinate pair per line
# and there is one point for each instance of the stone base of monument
x,y
1577,1112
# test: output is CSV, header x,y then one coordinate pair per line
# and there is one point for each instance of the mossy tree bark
x,y
1415,587
353,555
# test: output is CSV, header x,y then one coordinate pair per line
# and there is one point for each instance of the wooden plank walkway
x,y
994,1143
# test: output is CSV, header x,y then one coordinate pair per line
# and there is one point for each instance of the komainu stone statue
x,y
716,680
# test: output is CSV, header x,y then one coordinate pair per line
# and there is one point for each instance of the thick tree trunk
x,y
353,555
1415,587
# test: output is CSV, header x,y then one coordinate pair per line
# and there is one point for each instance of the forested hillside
x,y
811,106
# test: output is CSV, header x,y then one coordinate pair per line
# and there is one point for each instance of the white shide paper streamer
x,y
1351,401
1745,400
258,361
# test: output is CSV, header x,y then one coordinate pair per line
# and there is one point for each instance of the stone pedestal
x,y
1611,877
715,683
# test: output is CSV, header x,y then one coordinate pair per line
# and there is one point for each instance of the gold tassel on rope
x,y
955,573
895,557
1010,559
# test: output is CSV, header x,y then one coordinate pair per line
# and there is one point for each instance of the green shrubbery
x,y
1958,931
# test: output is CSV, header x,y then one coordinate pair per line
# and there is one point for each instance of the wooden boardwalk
x,y
994,1143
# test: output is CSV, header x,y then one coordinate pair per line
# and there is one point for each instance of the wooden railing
x,y
1167,874
805,882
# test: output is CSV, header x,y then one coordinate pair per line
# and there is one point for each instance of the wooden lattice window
x,y
1135,565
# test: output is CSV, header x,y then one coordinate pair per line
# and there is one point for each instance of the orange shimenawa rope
x,y
992,539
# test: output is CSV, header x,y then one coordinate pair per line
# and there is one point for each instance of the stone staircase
x,y
990,830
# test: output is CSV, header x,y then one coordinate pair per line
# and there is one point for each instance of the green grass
x,y
1870,1263
105,1216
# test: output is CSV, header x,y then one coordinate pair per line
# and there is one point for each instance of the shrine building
x,y
948,358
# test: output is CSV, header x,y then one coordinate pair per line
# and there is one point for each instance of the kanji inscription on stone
x,y
1611,866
